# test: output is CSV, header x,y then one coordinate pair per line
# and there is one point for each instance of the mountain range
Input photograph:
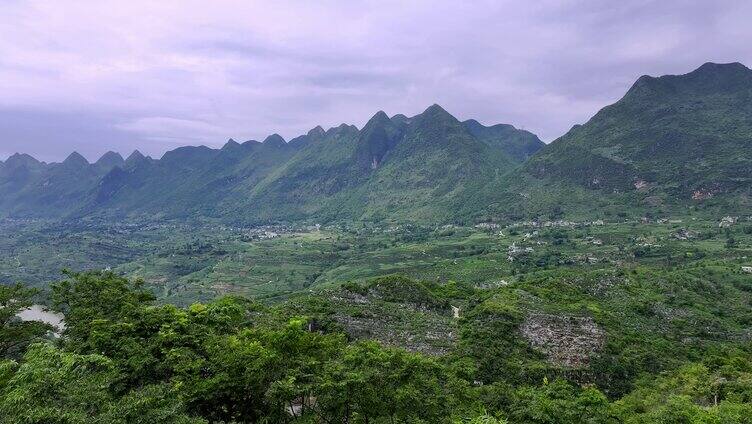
x,y
672,143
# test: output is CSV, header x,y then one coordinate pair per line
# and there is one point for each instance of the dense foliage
x,y
124,358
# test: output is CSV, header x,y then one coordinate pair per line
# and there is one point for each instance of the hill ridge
x,y
670,142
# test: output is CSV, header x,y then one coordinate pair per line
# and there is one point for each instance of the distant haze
x,y
93,76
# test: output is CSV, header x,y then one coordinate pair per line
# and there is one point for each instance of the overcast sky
x,y
102,75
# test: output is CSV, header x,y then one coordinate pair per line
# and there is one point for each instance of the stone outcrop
x,y
568,341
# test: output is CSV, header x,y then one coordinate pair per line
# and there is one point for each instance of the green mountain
x,y
675,143
418,168
378,137
185,182
399,168
109,160
671,143
29,188
519,144
436,165
688,133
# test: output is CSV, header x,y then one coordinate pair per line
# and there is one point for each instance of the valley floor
x,y
189,262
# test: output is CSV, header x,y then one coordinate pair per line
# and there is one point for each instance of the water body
x,y
39,313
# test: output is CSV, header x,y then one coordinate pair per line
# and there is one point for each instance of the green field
x,y
186,263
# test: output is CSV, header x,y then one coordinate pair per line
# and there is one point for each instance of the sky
x,y
93,76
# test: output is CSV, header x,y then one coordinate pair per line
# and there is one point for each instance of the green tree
x,y
559,403
52,386
482,419
718,391
93,297
375,384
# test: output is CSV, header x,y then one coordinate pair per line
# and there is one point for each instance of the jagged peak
x,y
317,131
435,109
709,77
186,154
76,159
134,157
314,134
379,119
231,143
378,137
721,67
473,123
275,140
380,116
21,156
110,158
720,76
400,119
20,159
436,113
341,128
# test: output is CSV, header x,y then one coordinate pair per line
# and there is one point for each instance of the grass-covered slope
x,y
397,169
186,182
432,171
517,143
686,136
671,144
411,169
299,187
29,188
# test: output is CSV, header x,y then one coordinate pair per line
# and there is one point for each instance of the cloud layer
x,y
100,75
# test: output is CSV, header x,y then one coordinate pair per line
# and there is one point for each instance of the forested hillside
x,y
398,169
125,359
672,143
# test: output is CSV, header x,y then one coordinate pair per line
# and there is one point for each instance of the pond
x,y
40,313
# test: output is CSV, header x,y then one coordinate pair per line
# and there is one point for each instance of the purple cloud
x,y
112,75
